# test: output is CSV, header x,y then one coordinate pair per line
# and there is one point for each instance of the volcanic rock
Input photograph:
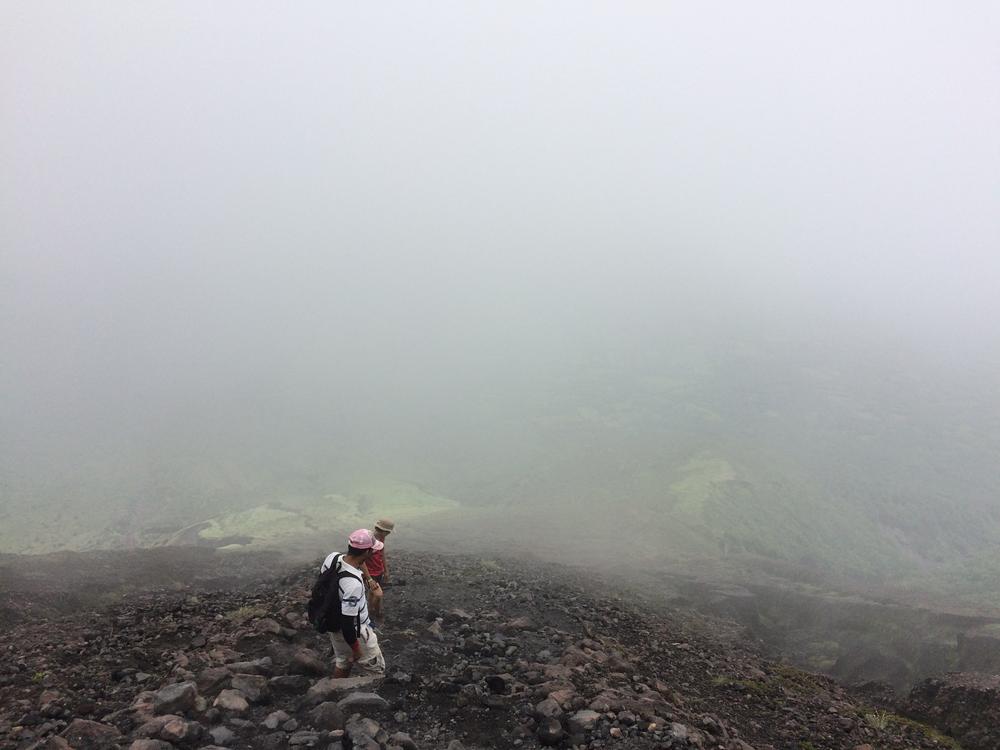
x,y
232,700
362,702
175,698
254,687
90,735
305,661
327,715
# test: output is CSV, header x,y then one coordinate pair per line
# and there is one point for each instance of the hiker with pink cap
x,y
355,641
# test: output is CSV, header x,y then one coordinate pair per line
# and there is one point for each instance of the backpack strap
x,y
333,590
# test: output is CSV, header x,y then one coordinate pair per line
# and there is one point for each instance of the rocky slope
x,y
481,654
967,706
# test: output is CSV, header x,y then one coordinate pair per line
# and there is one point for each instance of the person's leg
x,y
342,655
372,660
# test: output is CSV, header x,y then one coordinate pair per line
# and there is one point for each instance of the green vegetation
x,y
878,719
255,523
793,680
333,513
882,720
929,732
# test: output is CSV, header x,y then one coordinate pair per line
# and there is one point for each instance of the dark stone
x,y
549,731
548,709
307,662
499,684
327,715
262,666
211,680
253,686
174,699
289,684
403,740
362,702
222,736
83,734
182,732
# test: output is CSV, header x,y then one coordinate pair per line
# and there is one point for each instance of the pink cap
x,y
364,539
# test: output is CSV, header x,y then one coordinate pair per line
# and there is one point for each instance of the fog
x,y
505,251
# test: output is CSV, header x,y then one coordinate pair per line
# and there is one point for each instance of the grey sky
x,y
257,200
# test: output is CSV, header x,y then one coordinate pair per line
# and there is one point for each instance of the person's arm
x,y
369,581
352,592
385,564
350,634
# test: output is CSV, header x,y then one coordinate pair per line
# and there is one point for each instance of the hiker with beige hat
x,y
377,567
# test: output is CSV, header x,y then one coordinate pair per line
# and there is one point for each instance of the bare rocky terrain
x,y
157,649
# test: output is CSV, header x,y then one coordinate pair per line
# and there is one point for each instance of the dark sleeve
x,y
348,629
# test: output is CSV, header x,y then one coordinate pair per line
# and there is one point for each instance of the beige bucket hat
x,y
384,524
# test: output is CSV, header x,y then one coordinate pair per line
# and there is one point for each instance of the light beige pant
x,y
372,661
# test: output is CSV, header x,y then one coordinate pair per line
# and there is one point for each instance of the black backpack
x,y
324,602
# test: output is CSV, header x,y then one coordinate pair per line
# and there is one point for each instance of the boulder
x,y
274,720
303,738
583,721
152,728
363,734
264,666
549,731
327,715
362,702
267,626
548,709
289,684
176,698
209,681
223,736
232,700
516,625
305,661
678,732
181,731
253,686
499,684
142,705
330,687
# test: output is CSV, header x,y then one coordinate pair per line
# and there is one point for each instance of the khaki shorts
x,y
372,661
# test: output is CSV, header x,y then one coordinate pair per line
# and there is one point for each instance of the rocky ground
x,y
481,654
967,706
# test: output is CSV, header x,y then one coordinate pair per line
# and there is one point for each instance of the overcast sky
x,y
257,198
